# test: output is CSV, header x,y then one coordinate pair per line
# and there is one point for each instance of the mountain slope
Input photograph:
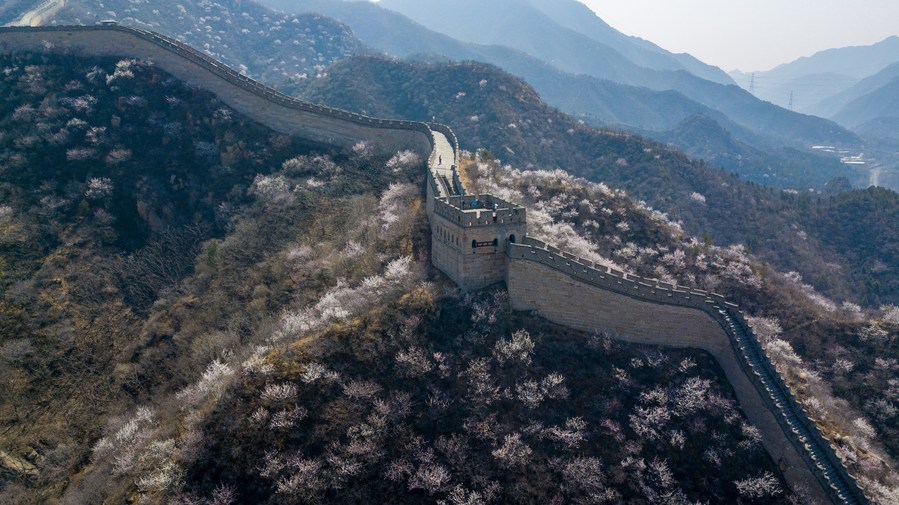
x,y
599,102
514,23
834,104
578,17
197,309
703,137
274,47
874,99
591,46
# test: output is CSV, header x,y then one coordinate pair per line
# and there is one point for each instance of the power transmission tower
x,y
752,84
791,99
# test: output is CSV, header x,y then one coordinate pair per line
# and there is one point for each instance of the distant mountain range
x,y
856,87
563,32
814,79
554,33
873,105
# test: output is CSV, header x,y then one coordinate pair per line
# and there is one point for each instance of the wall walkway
x,y
41,13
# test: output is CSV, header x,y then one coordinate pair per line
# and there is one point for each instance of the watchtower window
x,y
512,238
474,244
495,242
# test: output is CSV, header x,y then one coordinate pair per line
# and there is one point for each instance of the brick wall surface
x,y
570,302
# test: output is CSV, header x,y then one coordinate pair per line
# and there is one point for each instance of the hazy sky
x,y
752,34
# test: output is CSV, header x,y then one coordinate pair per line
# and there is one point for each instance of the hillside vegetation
x,y
199,310
492,109
269,46
840,360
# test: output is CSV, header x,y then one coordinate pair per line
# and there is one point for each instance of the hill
x,y
13,9
834,104
493,109
577,17
704,138
274,47
592,45
284,50
600,102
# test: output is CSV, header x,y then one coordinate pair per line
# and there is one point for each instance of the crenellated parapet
x,y
471,236
486,210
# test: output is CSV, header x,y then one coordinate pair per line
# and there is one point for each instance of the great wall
x,y
480,241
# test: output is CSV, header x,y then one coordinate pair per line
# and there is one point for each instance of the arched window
x,y
474,244
495,242
512,238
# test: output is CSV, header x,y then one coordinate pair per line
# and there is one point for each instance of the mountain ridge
x,y
600,102
569,51
835,70
580,18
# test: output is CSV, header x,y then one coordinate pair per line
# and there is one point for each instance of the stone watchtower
x,y
470,235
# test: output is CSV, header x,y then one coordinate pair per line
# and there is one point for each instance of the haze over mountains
x,y
578,63
815,79
527,26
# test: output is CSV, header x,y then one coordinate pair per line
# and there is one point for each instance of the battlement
x,y
610,279
484,210
471,234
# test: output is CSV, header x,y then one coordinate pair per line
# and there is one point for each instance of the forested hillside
x,y
199,310
491,109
